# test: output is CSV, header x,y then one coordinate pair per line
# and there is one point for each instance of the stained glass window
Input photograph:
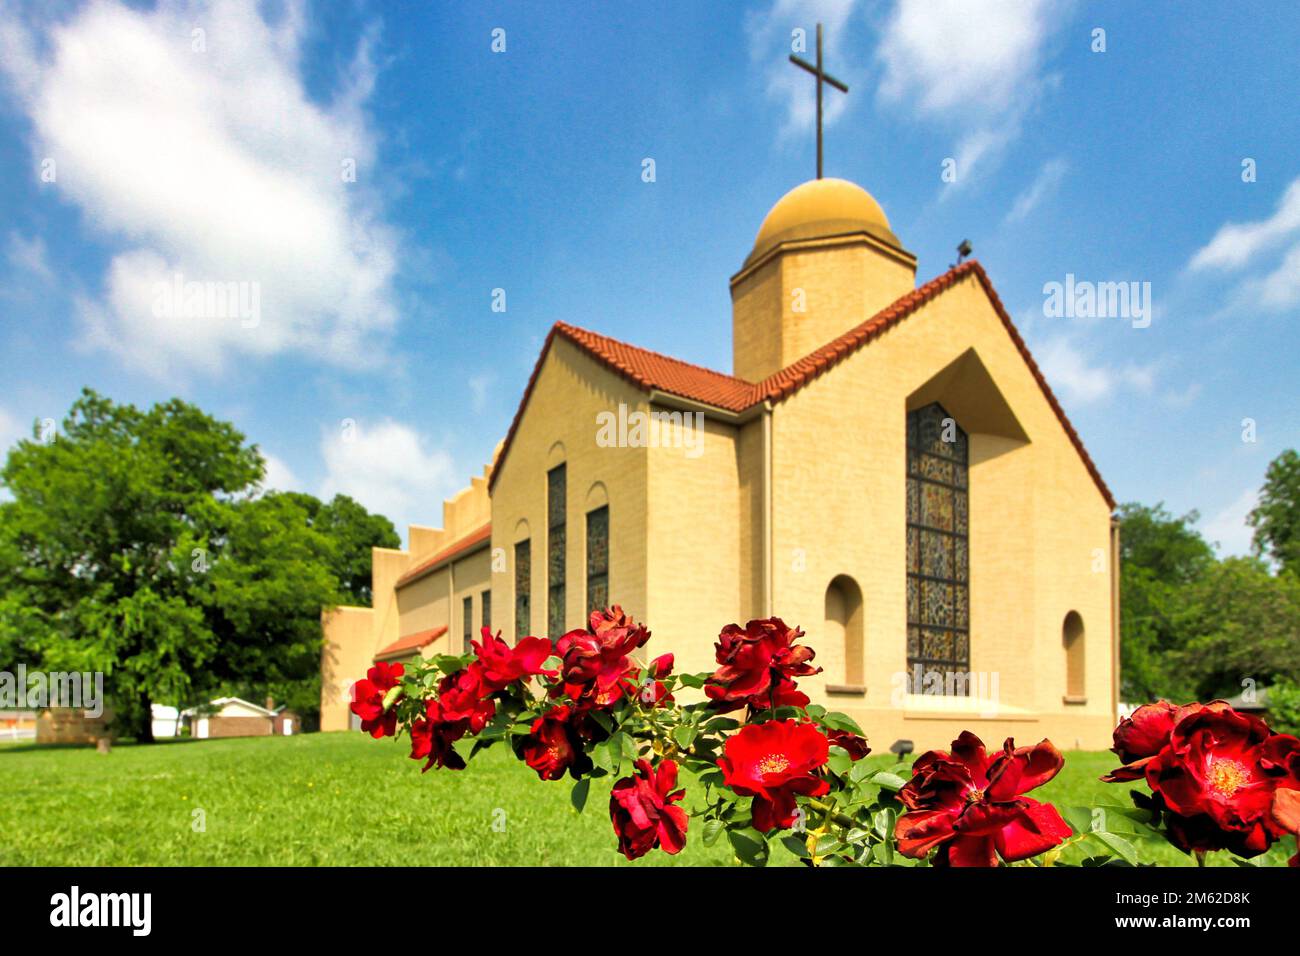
x,y
523,577
467,612
555,511
938,551
598,559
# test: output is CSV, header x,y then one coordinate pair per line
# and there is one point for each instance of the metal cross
x,y
822,77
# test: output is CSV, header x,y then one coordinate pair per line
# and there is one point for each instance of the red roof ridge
x,y
575,330
457,547
413,641
786,381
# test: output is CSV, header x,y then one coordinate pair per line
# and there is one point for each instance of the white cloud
x,y
1280,289
279,476
1079,380
971,63
1235,244
770,41
1228,529
27,257
389,467
215,165
1048,178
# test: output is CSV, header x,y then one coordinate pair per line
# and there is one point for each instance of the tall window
x,y
555,511
598,559
1072,638
485,604
938,547
523,577
467,624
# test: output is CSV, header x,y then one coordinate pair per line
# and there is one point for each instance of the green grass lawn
x,y
341,799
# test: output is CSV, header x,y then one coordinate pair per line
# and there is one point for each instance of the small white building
x,y
236,717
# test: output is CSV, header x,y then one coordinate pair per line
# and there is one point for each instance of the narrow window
x,y
523,577
1072,638
844,628
555,512
467,624
598,559
485,604
938,559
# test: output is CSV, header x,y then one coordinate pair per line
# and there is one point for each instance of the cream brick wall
x,y
694,536
839,282
344,660
560,423
1036,517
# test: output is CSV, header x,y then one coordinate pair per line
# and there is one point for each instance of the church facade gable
x,y
1037,526
560,426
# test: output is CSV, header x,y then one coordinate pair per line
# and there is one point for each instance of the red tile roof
x,y
410,644
650,370
463,546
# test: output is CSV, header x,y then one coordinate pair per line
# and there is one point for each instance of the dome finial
x,y
822,77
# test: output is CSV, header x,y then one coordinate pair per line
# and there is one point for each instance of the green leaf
x,y
720,724
888,781
838,721
602,718
796,844
711,831
861,771
693,680
750,846
839,761
1116,844
684,734
1079,818
579,795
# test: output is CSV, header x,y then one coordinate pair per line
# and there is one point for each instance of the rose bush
x,y
751,760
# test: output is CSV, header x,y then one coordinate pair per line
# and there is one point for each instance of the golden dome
x,y
819,208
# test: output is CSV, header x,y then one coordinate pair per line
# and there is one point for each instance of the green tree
x,y
1241,625
136,545
1160,556
1276,519
97,546
354,531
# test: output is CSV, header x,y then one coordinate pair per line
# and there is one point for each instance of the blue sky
x,y
209,141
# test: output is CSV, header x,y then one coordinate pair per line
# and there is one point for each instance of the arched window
x,y
1072,638
938,547
843,629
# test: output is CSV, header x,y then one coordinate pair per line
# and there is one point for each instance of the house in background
x,y
235,717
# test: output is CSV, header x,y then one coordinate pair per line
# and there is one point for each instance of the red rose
x,y
641,809
462,696
596,661
758,666
502,665
855,745
553,746
1145,733
974,809
368,699
432,736
1217,777
773,762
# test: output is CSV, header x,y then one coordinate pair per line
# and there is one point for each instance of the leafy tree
x,y
354,531
1276,519
1284,706
135,545
1241,624
98,544
1160,555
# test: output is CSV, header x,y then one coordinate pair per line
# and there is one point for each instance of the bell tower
x,y
824,261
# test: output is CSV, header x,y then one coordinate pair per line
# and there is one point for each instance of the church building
x,y
884,466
